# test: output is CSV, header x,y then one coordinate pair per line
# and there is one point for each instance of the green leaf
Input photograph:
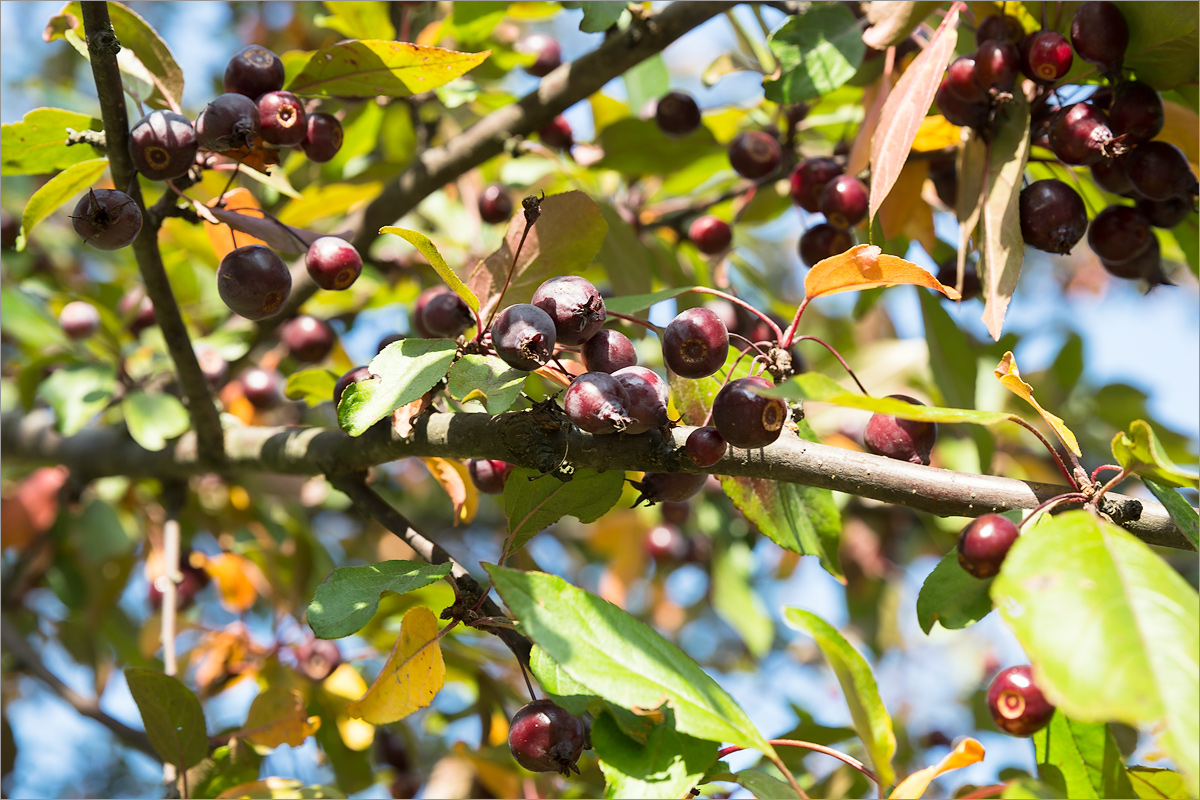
x,y
313,386
374,67
77,393
485,379
1111,629
1002,248
622,659
637,147
322,201
1140,452
533,502
760,784
152,419
1150,783
640,302
818,51
597,16
666,765
37,145
172,715
430,251
554,680
407,369
1162,43
952,596
871,719
735,601
58,190
348,598
26,319
1080,759
357,19
472,22
107,537
229,765
1180,510
646,81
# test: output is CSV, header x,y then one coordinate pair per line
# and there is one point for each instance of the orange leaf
x,y
905,109
865,266
1008,374
904,210
454,478
277,716
402,417
413,674
221,236
234,576
967,752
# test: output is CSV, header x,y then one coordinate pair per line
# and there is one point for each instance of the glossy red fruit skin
x,y
958,111
666,544
1100,34
677,114
710,234
1018,707
489,475
961,79
668,487
984,543
446,316
253,71
557,133
253,281
1080,135
809,179
351,376
1137,112
548,50
307,339
597,403
281,119
523,336
107,219
163,145
79,319
823,241
608,351
705,446
1001,27
333,263
574,304
416,316
745,418
997,65
263,388
1119,234
695,343
323,138
1046,56
318,658
1159,171
648,395
229,122
901,439
1053,218
755,154
844,201
1165,213
544,737
495,206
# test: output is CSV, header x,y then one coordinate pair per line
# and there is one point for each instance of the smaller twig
x,y
790,332
1044,508
838,356
1096,472
816,748
533,210
630,318
1062,467
1120,476
737,301
995,790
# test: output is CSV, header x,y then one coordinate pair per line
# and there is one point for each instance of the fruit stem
x,y
995,790
838,356
740,302
629,318
1098,470
1057,458
814,747
1120,476
1069,497
531,216
789,334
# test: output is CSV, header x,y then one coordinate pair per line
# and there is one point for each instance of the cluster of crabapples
x,y
1111,132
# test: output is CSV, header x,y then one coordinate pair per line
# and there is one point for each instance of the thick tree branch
x,y
517,438
103,47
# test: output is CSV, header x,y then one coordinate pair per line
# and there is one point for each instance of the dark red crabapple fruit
x,y
107,219
648,394
575,306
666,544
307,338
253,281
677,114
1000,27
984,543
557,134
136,306
745,418
1165,213
333,263
1018,707
1100,34
351,376
163,145
1159,171
1136,111
809,179
1080,135
844,201
710,234
948,276
823,241
322,138
597,403
548,52
446,315
1112,175
229,122
523,336
192,580
1046,56
544,737
1053,218
281,119
997,65
495,206
418,310
489,475
212,364
386,340
253,71
963,82
755,154
943,172
902,439
695,343
668,487
318,658
705,446
262,387
1119,233
608,351
79,319
1146,265
675,513
958,111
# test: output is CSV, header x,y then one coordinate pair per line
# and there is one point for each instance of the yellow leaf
x,y
499,781
865,266
454,478
903,209
413,674
344,686
967,752
1008,374
936,133
277,716
1181,127
276,789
